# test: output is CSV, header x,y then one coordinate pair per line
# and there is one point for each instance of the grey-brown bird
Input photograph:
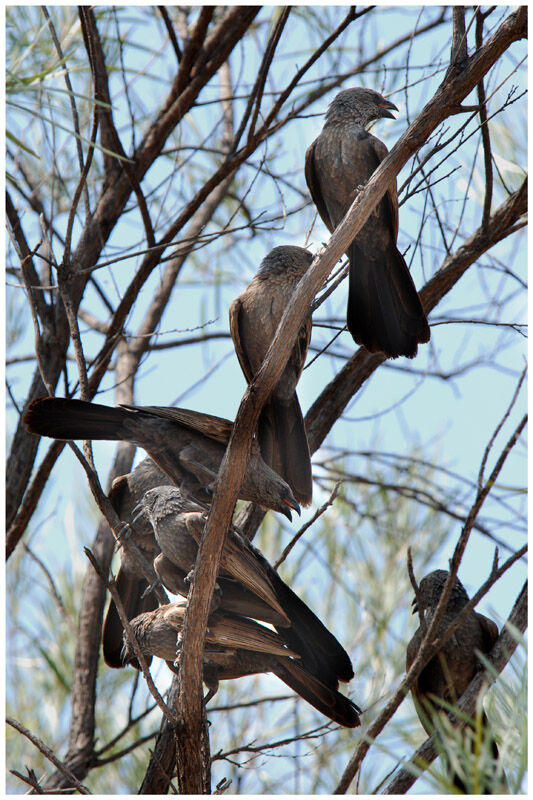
x,y
253,318
247,584
447,675
132,585
235,647
187,445
384,311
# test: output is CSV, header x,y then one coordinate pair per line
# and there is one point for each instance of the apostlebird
x,y
247,584
131,582
187,445
254,317
384,311
447,675
235,646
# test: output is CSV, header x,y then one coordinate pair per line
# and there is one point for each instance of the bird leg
x,y
152,587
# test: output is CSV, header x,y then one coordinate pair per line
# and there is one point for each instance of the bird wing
x,y
118,490
170,575
192,458
298,354
174,613
235,311
216,428
314,187
380,151
229,631
489,631
240,562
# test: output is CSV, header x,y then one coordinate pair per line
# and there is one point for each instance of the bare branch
x,y
47,753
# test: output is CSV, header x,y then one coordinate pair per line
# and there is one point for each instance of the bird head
x,y
360,105
431,588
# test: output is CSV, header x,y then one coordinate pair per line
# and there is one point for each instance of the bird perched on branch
x,y
384,311
131,581
447,675
187,445
254,317
235,647
247,584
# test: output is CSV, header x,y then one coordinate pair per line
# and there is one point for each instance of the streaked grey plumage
x,y
126,492
384,311
244,571
187,445
235,647
447,675
254,317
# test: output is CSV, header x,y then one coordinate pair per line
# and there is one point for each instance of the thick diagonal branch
x,y
445,102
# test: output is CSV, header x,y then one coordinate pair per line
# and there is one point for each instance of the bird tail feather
x,y
66,419
329,702
320,652
131,592
384,310
284,446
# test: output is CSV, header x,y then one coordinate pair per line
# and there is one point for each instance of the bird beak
x,y
385,105
415,606
290,504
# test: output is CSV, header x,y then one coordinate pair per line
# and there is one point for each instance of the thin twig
x,y
49,754
318,513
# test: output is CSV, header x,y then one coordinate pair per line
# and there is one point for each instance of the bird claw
x,y
140,511
124,532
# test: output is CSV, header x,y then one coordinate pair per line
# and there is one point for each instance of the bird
x,y
187,445
384,311
247,584
447,675
234,647
131,582
253,318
